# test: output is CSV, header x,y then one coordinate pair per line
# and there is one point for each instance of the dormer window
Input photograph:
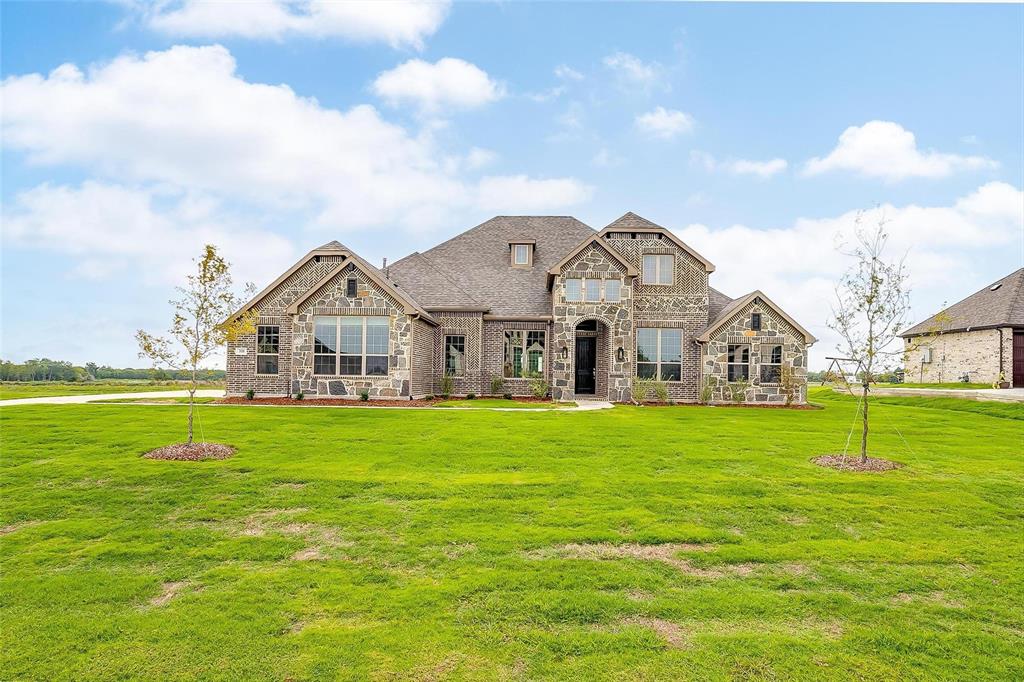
x,y
522,254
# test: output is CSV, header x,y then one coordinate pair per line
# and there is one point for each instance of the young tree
x,y
872,302
200,324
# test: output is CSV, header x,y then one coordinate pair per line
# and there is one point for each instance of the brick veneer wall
x,y
681,305
470,325
615,328
954,353
424,340
774,331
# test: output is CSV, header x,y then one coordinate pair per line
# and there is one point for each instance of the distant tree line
x,y
45,369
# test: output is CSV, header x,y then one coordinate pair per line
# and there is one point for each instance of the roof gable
x,y
738,304
1000,304
631,222
595,241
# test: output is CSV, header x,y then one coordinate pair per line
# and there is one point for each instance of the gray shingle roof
x,y
717,301
997,305
478,262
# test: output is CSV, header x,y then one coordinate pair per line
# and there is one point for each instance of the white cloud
x,y
883,149
450,83
547,95
399,23
520,194
664,123
797,265
760,169
634,73
110,228
606,159
185,118
567,73
479,157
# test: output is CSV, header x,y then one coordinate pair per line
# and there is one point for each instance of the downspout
x,y
1000,353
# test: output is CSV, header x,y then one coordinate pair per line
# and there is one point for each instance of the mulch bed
x,y
853,463
191,453
759,406
329,402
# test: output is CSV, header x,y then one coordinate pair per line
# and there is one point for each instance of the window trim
x,y
525,345
565,289
363,355
602,289
444,370
658,362
658,269
276,354
755,321
529,254
729,363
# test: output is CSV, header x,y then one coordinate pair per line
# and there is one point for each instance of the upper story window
x,y
755,321
268,343
348,345
351,287
522,254
658,268
593,290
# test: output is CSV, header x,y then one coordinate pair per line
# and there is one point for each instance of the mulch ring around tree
x,y
191,453
853,463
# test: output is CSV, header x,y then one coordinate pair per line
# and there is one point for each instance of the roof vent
x,y
995,286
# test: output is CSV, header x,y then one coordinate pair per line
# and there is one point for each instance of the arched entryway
x,y
590,359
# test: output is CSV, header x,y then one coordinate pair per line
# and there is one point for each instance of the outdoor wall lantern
x,y
621,354
565,351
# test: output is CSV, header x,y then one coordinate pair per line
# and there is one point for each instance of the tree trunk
x,y
191,403
864,432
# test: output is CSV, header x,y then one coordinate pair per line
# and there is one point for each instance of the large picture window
x,y
658,269
590,290
738,365
659,354
350,346
268,344
524,353
771,364
573,290
454,355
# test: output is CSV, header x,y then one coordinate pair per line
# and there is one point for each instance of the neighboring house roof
x,y
1000,304
726,313
631,222
629,268
479,262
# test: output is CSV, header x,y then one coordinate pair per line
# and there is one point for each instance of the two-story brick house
x,y
514,298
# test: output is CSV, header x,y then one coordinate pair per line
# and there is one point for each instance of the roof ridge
x,y
493,218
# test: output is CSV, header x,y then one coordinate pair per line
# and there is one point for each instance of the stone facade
x,y
775,331
954,354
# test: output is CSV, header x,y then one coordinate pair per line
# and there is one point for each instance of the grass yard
x,y
10,390
957,386
651,543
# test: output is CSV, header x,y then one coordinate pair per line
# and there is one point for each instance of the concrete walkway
x,y
79,399
1006,395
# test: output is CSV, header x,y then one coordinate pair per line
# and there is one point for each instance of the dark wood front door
x,y
1018,359
586,365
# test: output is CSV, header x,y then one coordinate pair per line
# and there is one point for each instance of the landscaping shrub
x,y
497,383
471,396
250,394
300,395
507,396
707,391
661,391
447,385
364,395
739,390
539,387
640,389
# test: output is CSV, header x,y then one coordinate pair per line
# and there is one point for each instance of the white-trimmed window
x,y
454,354
592,290
350,345
659,354
573,290
738,362
268,345
658,268
771,364
522,254
612,290
524,353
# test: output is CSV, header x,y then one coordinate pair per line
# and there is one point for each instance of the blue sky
x,y
134,132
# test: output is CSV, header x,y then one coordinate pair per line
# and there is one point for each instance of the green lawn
x,y
634,543
41,389
959,385
504,404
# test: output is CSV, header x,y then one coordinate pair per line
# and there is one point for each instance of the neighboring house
x,y
519,297
982,336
